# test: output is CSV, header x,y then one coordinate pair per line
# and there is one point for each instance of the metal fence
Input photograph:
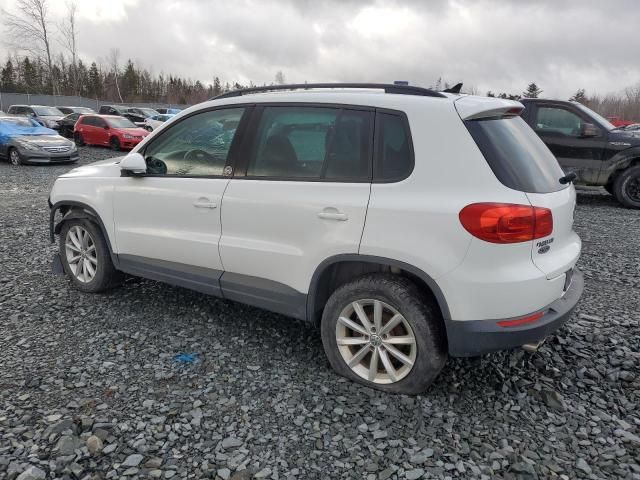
x,y
8,99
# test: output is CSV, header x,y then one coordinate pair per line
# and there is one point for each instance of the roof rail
x,y
388,88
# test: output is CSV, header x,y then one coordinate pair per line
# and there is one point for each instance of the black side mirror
x,y
589,130
106,127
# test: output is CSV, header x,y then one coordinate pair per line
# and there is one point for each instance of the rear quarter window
x,y
393,150
516,155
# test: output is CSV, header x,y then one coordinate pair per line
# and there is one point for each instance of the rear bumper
x,y
475,337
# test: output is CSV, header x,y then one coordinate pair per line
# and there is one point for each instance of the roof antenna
x,y
455,89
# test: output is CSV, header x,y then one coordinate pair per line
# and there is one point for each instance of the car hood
x,y
44,140
623,136
103,168
134,131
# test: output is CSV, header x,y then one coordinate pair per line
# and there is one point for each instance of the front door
x,y
300,196
168,220
561,129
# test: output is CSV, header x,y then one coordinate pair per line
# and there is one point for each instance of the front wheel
x,y
77,137
85,256
14,157
626,187
114,143
382,331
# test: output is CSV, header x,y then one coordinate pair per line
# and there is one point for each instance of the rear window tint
x,y
394,153
516,155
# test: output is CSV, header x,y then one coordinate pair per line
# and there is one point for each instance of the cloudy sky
x,y
500,45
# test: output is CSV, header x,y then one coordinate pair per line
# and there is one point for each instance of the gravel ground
x,y
90,387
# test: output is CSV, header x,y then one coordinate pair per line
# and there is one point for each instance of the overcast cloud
x,y
500,45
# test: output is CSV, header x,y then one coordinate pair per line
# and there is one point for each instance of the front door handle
x,y
205,203
333,214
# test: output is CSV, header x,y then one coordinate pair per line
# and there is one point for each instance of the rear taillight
x,y
506,222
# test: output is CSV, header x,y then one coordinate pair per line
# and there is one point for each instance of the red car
x,y
618,122
109,130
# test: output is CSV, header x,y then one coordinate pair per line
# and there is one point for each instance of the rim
x,y
633,188
14,157
80,250
376,341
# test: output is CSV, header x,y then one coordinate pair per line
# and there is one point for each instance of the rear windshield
x,y
516,155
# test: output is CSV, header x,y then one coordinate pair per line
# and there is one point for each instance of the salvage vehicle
x,y
79,110
67,124
168,111
151,123
107,130
23,140
123,111
407,224
587,144
45,116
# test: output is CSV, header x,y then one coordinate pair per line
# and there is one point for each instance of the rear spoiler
x,y
475,108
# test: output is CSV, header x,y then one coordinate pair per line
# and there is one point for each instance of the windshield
x,y
47,112
603,121
19,122
120,123
82,110
517,156
149,112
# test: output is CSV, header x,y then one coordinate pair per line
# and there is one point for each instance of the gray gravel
x,y
90,389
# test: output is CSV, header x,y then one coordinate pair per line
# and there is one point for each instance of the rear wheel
x,y
114,143
14,157
626,187
77,137
382,331
85,256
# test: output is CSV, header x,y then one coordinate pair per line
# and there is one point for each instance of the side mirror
x,y
106,127
589,130
134,164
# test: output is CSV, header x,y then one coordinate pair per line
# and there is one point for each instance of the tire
x,y
114,143
105,275
626,187
420,318
14,157
77,137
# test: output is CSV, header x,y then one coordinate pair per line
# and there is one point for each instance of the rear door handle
x,y
333,214
204,203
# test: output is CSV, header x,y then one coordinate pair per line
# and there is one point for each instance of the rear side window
x,y
394,152
517,156
312,143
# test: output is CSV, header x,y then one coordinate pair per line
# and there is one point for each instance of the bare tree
x,y
114,58
280,80
70,40
29,30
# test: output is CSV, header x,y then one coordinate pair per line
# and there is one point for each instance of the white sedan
x,y
154,122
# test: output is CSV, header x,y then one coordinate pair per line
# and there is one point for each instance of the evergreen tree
x,y
95,81
8,78
533,91
580,96
217,87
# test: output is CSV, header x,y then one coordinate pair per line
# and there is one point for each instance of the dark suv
x,y
589,145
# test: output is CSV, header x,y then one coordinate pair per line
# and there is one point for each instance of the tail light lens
x,y
506,222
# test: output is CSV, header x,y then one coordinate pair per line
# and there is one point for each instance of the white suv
x,y
408,224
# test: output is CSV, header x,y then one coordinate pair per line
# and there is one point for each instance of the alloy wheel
x,y
82,257
376,341
633,188
14,157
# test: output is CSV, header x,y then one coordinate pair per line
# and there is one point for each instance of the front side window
x,y
558,120
312,143
197,146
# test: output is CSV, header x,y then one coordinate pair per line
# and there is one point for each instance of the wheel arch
x,y
71,210
338,270
631,158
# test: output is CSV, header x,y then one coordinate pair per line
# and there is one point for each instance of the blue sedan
x,y
23,140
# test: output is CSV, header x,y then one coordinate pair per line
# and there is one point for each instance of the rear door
x,y
299,197
100,131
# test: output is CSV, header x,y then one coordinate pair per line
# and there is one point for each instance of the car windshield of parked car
x,y
18,122
147,112
82,110
121,123
606,124
72,116
47,112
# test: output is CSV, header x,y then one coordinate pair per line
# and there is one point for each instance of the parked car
x,y
67,124
123,111
168,111
619,122
45,116
80,110
107,130
634,127
451,233
151,123
586,143
24,140
143,112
